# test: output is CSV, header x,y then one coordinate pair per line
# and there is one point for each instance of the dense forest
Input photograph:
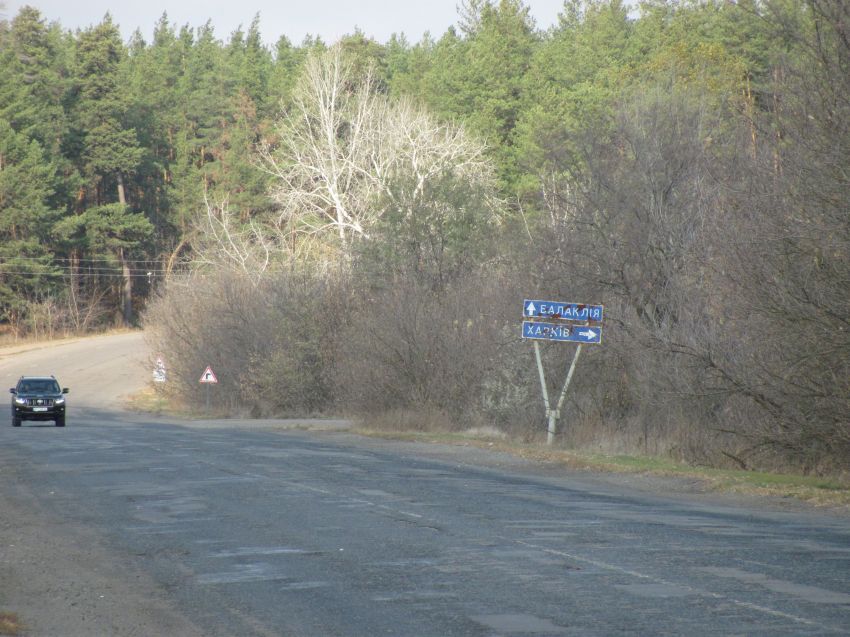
x,y
352,226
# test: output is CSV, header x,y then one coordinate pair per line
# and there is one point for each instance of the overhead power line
x,y
79,260
12,268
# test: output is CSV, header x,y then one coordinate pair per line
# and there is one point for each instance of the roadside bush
x,y
202,321
270,344
450,350
293,373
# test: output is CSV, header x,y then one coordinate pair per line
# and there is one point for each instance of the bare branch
x,y
343,144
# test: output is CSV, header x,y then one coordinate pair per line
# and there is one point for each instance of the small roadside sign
x,y
208,376
159,373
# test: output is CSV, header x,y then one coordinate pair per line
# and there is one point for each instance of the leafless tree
x,y
223,240
343,143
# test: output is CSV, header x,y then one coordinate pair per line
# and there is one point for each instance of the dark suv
x,y
38,398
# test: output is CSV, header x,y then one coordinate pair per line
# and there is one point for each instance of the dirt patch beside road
x,y
60,579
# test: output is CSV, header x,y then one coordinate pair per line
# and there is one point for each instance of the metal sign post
x,y
554,414
553,312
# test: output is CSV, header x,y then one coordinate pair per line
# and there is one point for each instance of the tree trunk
x,y
126,291
75,273
127,288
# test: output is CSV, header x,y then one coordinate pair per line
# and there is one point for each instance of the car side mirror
x,y
12,390
65,390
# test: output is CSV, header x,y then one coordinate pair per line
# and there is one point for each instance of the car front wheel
x,y
60,422
16,422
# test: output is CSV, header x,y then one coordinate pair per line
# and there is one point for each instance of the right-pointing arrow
x,y
588,334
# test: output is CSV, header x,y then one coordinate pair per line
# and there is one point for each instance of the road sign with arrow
x,y
557,321
577,312
561,332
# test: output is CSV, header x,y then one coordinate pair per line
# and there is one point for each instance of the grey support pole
x,y
551,435
551,415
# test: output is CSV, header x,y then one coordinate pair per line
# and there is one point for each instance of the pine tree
x,y
570,87
32,125
408,66
25,222
156,115
249,63
108,149
480,78
32,85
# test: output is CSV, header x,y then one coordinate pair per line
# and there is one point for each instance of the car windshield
x,y
39,386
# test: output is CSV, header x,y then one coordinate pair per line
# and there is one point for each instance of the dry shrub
x,y
450,351
293,374
269,344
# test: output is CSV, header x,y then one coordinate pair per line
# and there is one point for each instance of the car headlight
x,y
59,401
20,401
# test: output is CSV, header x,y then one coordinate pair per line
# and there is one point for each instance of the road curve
x,y
101,371
233,530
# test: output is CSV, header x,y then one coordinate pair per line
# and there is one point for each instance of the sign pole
x,y
551,437
208,378
551,414
542,376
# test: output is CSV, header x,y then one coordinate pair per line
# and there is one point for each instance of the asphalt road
x,y
239,530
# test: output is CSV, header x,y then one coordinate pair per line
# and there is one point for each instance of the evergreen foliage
x,y
671,160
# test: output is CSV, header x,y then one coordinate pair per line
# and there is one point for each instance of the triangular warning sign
x,y
208,376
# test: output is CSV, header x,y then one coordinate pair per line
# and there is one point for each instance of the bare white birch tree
x,y
325,149
343,153
224,241
343,143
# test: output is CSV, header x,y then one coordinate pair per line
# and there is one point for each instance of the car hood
x,y
22,394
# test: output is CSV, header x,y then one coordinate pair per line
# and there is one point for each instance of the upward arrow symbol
x,y
530,309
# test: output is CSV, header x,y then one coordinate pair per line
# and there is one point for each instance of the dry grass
x,y
149,400
9,340
152,400
820,491
10,624
409,420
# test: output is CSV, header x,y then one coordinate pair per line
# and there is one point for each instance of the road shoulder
x,y
61,579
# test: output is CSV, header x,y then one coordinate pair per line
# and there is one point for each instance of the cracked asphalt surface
x,y
124,524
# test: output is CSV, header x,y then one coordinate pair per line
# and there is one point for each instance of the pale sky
x,y
329,19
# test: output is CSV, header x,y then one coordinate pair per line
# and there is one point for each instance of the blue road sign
x,y
562,310
561,332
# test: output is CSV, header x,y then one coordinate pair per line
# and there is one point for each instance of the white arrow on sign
x,y
530,309
588,334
